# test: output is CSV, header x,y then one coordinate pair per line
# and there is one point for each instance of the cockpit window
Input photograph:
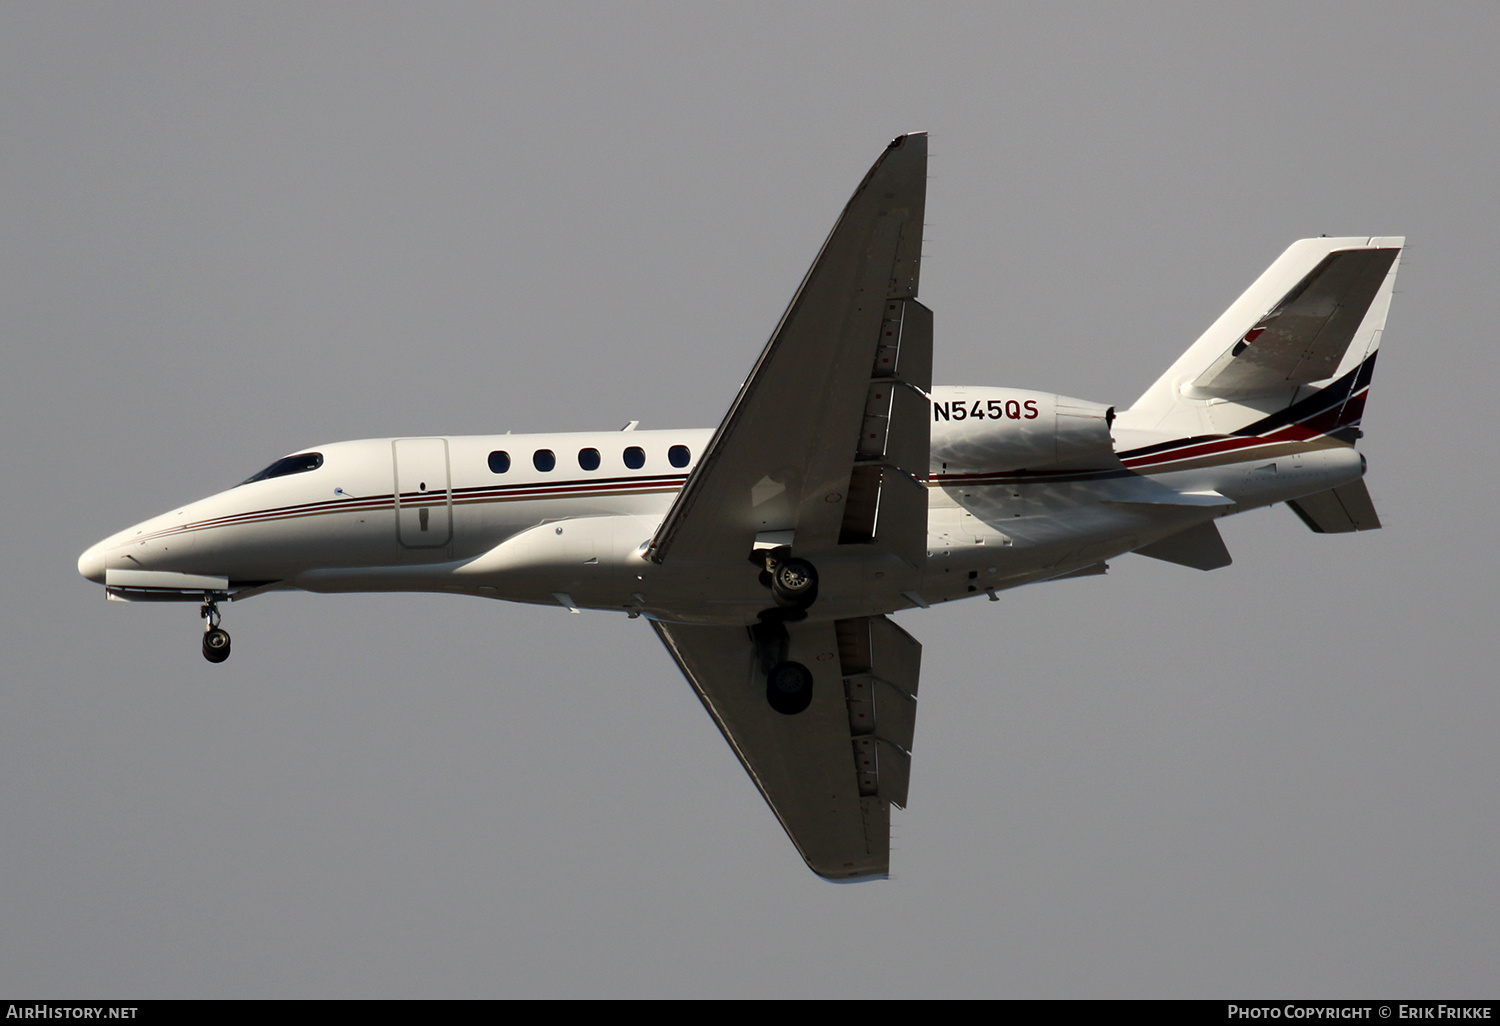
x,y
298,464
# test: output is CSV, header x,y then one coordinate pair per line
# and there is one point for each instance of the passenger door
x,y
424,500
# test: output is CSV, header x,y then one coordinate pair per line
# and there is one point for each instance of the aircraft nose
x,y
91,563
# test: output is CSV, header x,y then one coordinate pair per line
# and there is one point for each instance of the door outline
x,y
424,514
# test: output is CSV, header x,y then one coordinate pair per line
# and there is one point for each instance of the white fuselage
x,y
430,514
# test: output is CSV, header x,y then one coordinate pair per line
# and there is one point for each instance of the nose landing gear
x,y
215,639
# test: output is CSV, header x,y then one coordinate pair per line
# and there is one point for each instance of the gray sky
x,y
228,232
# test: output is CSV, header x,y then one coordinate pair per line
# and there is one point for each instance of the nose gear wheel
x,y
216,645
215,638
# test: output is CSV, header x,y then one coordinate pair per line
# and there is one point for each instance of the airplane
x,y
841,487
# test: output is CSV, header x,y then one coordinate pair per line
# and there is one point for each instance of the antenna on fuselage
x,y
631,426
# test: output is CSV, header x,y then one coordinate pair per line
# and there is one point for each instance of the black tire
x,y
795,583
216,645
789,688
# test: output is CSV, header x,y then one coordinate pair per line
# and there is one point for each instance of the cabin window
x,y
678,455
544,460
635,457
588,459
499,461
298,464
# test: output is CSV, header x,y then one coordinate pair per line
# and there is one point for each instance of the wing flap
x,y
887,501
879,708
884,770
905,348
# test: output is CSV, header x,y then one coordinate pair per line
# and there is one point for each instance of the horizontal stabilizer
x,y
1345,508
1200,547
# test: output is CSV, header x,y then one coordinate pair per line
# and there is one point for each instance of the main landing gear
x,y
793,582
794,587
789,688
789,685
215,638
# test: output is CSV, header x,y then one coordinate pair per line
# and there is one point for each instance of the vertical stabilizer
x,y
1310,324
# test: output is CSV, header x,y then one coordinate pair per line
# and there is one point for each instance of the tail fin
x,y
1290,360
1298,346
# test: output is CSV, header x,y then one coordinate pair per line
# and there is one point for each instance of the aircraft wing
x,y
827,444
828,432
830,773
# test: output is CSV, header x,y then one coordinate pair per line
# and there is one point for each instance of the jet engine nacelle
x,y
978,430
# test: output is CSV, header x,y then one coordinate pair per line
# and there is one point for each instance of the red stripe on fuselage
x,y
510,493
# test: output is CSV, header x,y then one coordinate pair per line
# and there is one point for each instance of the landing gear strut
x,y
793,584
215,639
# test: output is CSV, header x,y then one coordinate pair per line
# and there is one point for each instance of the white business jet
x,y
840,487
